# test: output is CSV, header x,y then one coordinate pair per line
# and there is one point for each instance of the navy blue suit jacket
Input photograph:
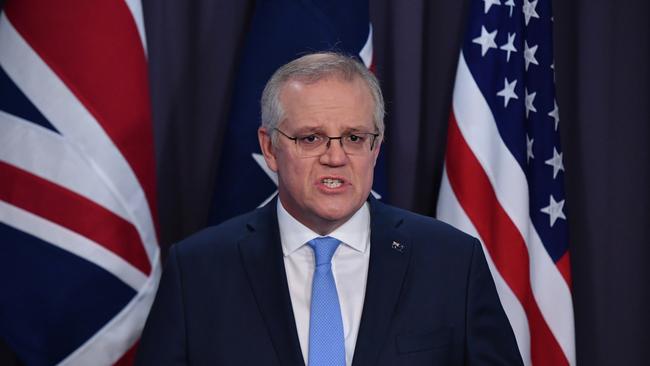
x,y
224,300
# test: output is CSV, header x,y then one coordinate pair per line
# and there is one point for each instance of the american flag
x,y
79,256
503,175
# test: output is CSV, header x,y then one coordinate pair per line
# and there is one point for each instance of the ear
x,y
266,145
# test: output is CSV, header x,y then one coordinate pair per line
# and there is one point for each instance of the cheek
x,y
366,171
296,175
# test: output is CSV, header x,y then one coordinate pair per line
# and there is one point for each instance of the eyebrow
x,y
309,129
360,128
320,130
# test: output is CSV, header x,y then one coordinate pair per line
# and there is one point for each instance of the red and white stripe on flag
x,y
78,178
502,179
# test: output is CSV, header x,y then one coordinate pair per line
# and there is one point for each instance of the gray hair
x,y
311,69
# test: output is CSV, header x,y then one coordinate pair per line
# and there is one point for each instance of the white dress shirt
x,y
349,267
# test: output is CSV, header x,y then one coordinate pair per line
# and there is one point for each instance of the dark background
x,y
602,53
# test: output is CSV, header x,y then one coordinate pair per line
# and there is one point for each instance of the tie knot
x,y
324,248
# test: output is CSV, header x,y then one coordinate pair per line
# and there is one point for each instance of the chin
x,y
337,212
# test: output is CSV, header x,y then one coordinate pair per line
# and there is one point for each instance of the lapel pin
x,y
399,247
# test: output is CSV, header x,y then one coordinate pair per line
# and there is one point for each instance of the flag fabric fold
x,y
79,255
503,175
280,31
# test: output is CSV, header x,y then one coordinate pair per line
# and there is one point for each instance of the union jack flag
x,y
503,175
79,255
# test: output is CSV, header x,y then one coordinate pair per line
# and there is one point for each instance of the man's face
x,y
330,107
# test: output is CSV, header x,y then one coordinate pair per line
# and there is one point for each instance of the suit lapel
x,y
261,254
389,258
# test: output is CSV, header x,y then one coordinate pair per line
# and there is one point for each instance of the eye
x,y
356,139
310,139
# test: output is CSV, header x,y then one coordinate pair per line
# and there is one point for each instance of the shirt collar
x,y
354,233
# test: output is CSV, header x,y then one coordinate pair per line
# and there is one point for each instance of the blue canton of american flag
x,y
503,176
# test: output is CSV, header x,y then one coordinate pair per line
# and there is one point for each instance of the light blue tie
x,y
326,340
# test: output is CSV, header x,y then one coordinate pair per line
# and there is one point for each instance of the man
x,y
326,275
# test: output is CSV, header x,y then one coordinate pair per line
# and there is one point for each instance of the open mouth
x,y
332,182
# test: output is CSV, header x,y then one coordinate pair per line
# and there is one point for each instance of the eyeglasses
x,y
316,144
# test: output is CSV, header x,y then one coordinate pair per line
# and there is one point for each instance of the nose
x,y
335,155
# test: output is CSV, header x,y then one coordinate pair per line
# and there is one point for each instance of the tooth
x,y
332,183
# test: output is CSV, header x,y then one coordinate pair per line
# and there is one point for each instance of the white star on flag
x,y
555,113
529,10
486,40
553,68
554,210
555,162
529,149
511,5
510,45
529,54
530,98
508,91
259,159
489,3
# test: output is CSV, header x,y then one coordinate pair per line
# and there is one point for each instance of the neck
x,y
319,225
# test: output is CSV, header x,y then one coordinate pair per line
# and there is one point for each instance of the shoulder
x,y
220,238
429,235
421,225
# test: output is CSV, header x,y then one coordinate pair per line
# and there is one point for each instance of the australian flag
x,y
281,30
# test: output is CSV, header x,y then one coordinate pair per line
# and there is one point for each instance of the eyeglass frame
x,y
330,138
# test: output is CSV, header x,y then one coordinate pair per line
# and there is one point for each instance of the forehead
x,y
331,103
